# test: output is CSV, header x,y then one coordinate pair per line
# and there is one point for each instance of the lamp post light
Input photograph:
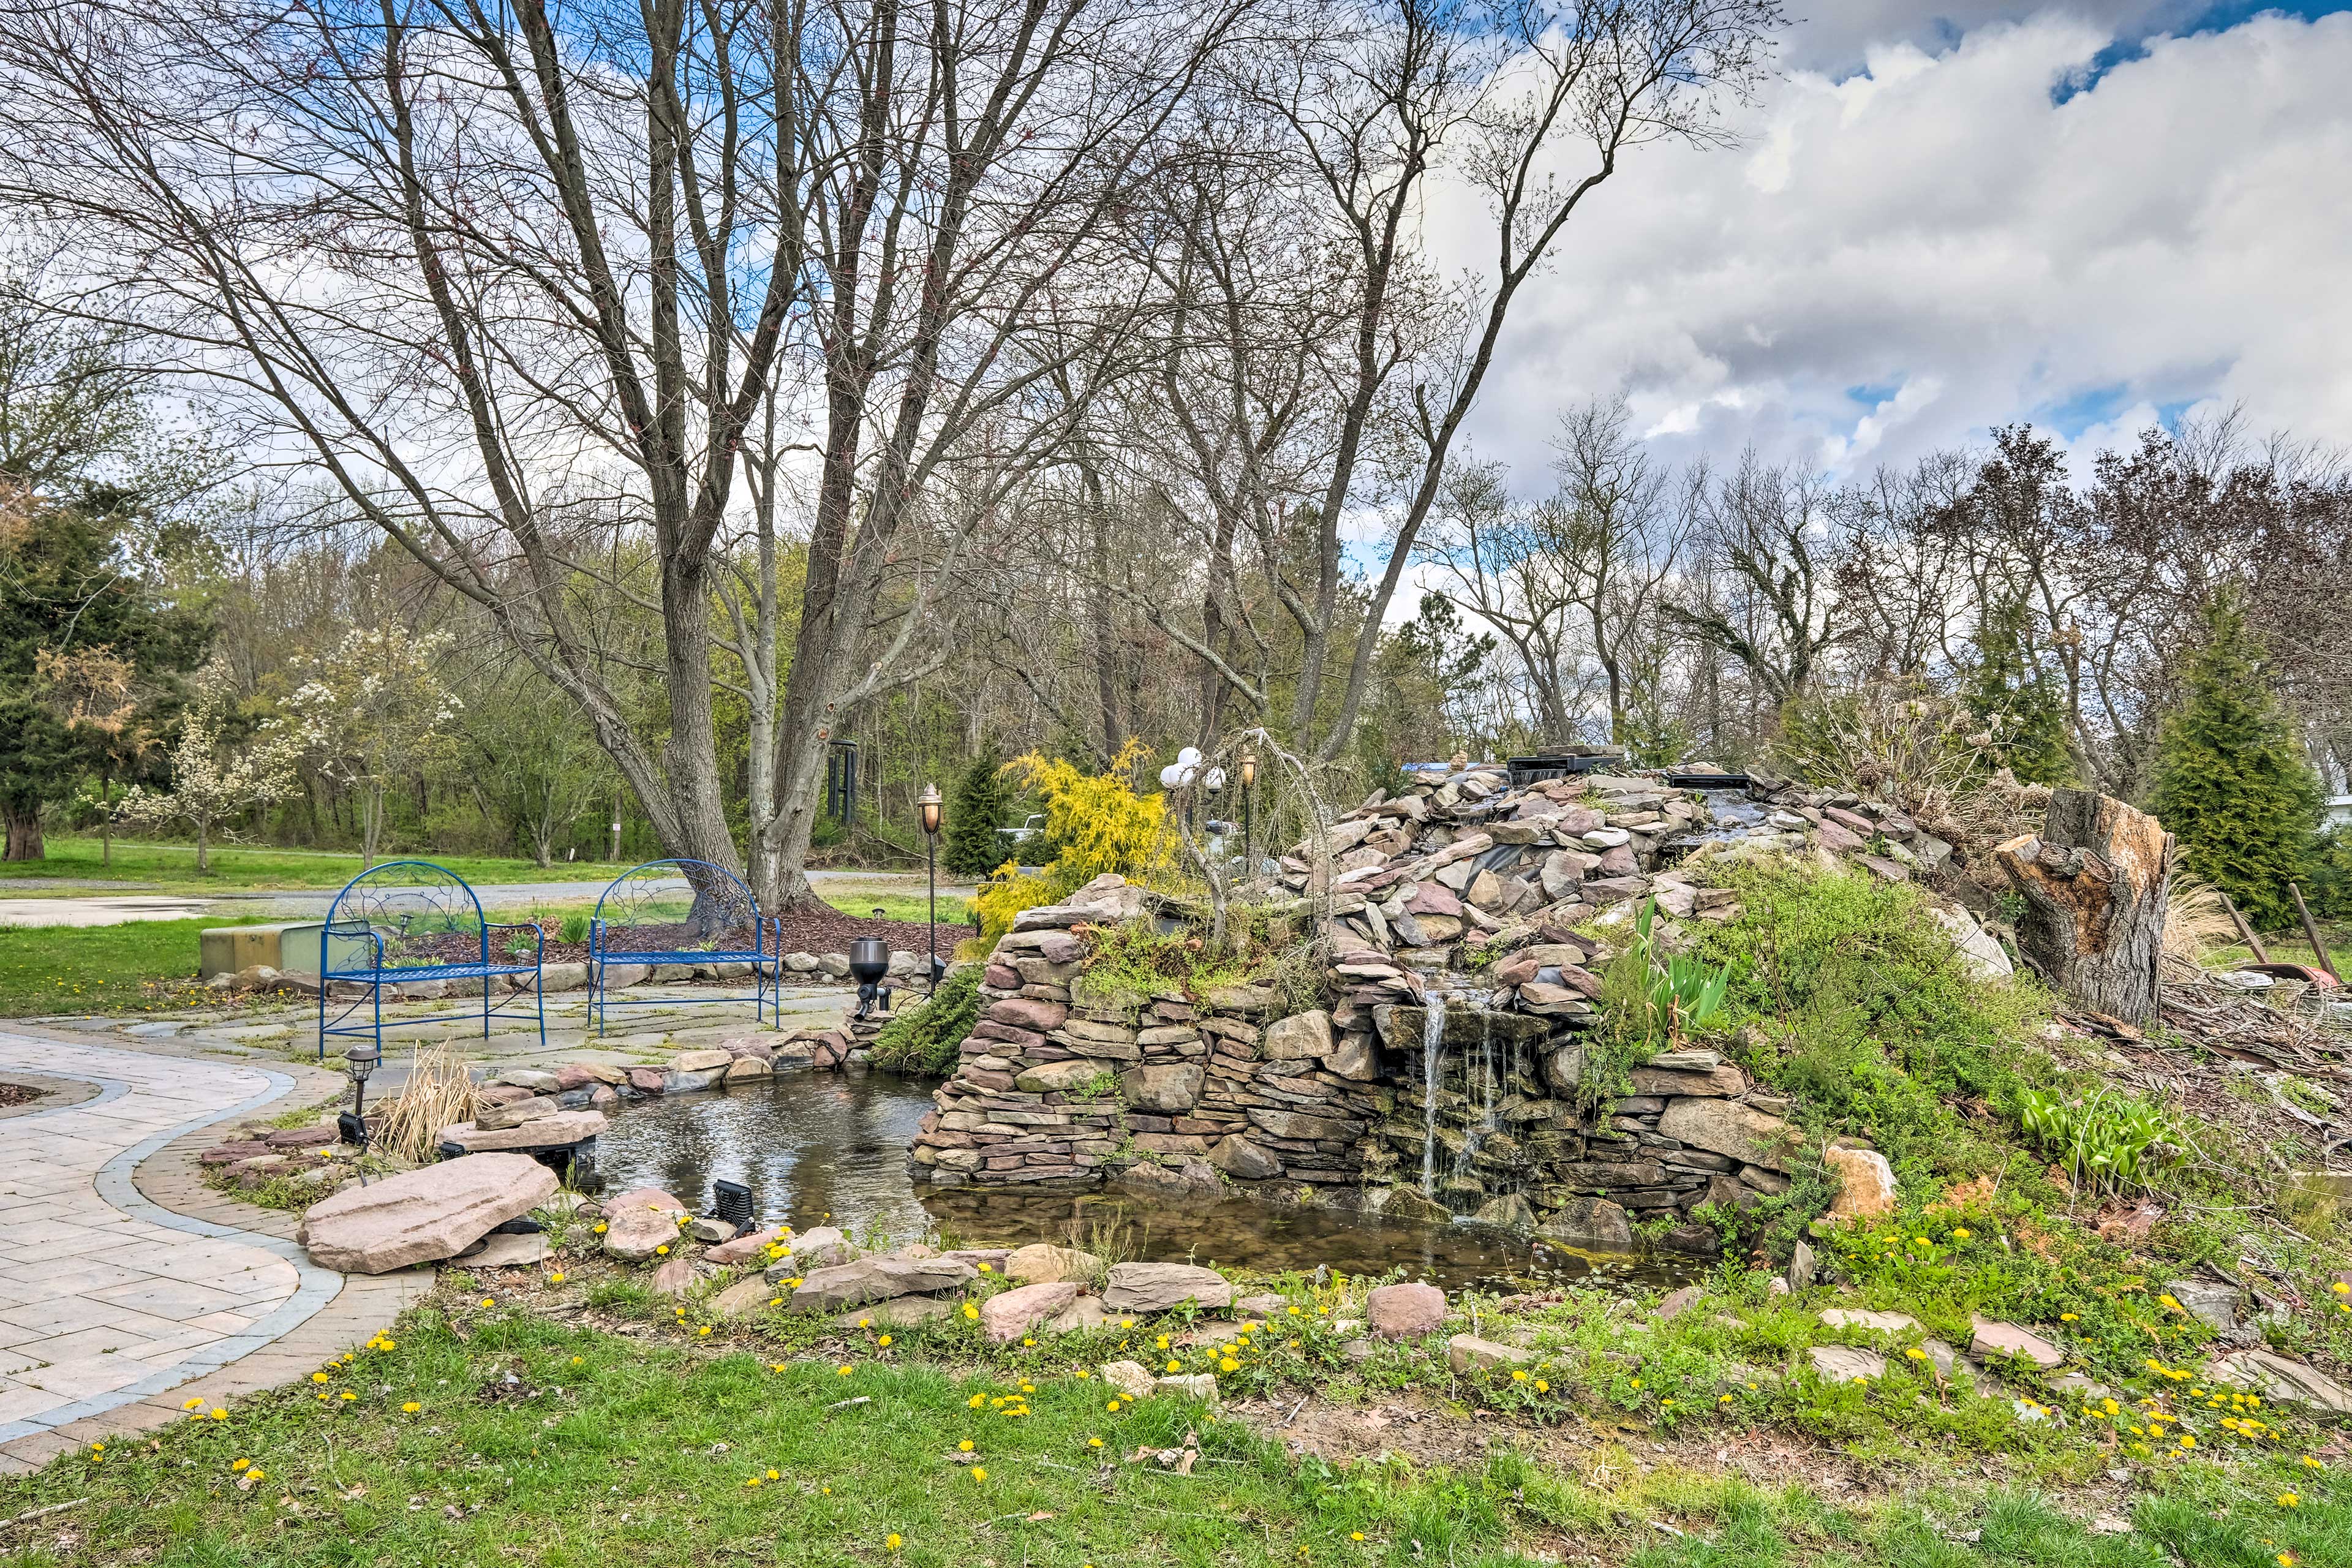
x,y
1249,786
927,805
359,1061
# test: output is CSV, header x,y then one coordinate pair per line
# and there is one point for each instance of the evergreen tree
x,y
2231,781
70,595
976,808
2016,695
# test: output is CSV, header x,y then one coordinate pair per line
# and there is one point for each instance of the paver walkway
x,y
105,1296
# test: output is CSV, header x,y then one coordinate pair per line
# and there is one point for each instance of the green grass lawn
x,y
238,867
128,968
494,1436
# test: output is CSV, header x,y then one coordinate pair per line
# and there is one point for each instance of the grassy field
x,y
135,967
492,1436
174,866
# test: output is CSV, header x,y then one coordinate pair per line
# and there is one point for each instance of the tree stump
x,y
2094,883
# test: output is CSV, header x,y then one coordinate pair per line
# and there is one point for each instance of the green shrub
x,y
574,927
926,1037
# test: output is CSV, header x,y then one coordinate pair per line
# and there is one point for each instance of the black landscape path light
x,y
359,1061
869,961
927,805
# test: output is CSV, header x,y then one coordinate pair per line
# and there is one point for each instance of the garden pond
x,y
825,1148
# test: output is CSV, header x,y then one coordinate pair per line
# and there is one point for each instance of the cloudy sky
x,y
2092,215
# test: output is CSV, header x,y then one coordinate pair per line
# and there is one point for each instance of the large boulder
x,y
420,1215
1010,1314
640,1220
514,1112
1730,1128
1404,1311
1156,1287
881,1277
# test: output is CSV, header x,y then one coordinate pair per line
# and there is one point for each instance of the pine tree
x,y
2231,781
2016,695
976,809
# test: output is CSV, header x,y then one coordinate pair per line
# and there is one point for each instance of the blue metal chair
x,y
680,911
406,921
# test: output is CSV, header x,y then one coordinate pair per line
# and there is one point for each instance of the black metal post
x,y
931,877
1249,866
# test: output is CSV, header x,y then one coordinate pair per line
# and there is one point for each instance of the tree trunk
x,y
204,859
24,830
2094,883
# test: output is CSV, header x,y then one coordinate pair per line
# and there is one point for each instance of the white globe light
x,y
1189,754
1216,780
1171,777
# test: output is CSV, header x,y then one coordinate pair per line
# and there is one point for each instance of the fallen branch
x,y
33,1513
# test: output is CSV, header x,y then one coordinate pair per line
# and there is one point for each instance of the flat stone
x,y
648,1081
1353,1058
2216,1304
639,1220
1843,1363
1468,1352
417,1217
673,1274
565,1127
744,1069
1058,1078
1729,1127
319,1137
502,1249
515,1113
1404,1311
536,1079
823,1247
901,1312
711,1231
1156,1287
1876,1322
879,1279
1989,1338
1042,1263
1009,1314
1082,1316
2283,1382
748,1247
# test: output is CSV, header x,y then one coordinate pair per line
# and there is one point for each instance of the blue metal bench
x,y
681,911
407,921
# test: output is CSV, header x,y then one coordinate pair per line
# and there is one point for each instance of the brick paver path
x,y
106,1297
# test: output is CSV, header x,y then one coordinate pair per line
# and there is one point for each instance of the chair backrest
x,y
425,914
677,906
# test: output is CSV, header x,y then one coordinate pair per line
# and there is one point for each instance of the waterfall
x,y
1432,1048
1489,1117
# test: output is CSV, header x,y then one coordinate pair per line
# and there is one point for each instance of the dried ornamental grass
x,y
439,1092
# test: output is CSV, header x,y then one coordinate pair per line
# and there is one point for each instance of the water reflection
x,y
819,1146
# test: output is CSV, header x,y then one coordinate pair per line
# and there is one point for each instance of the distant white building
x,y
2338,812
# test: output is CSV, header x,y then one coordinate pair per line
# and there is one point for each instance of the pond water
x,y
825,1148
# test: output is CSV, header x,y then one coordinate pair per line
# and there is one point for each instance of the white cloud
x,y
1903,255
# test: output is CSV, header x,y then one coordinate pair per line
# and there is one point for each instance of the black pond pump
x,y
869,961
730,1203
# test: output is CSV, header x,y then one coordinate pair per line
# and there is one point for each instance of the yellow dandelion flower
x,y
2290,1500
979,1473
411,1408
845,1371
242,1464
318,1377
884,1342
890,1542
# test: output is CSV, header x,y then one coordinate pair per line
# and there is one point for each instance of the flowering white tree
x,y
374,709
211,783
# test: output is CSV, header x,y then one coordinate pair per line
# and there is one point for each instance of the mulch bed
x,y
25,1094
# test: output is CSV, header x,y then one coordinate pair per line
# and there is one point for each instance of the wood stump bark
x,y
2094,882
